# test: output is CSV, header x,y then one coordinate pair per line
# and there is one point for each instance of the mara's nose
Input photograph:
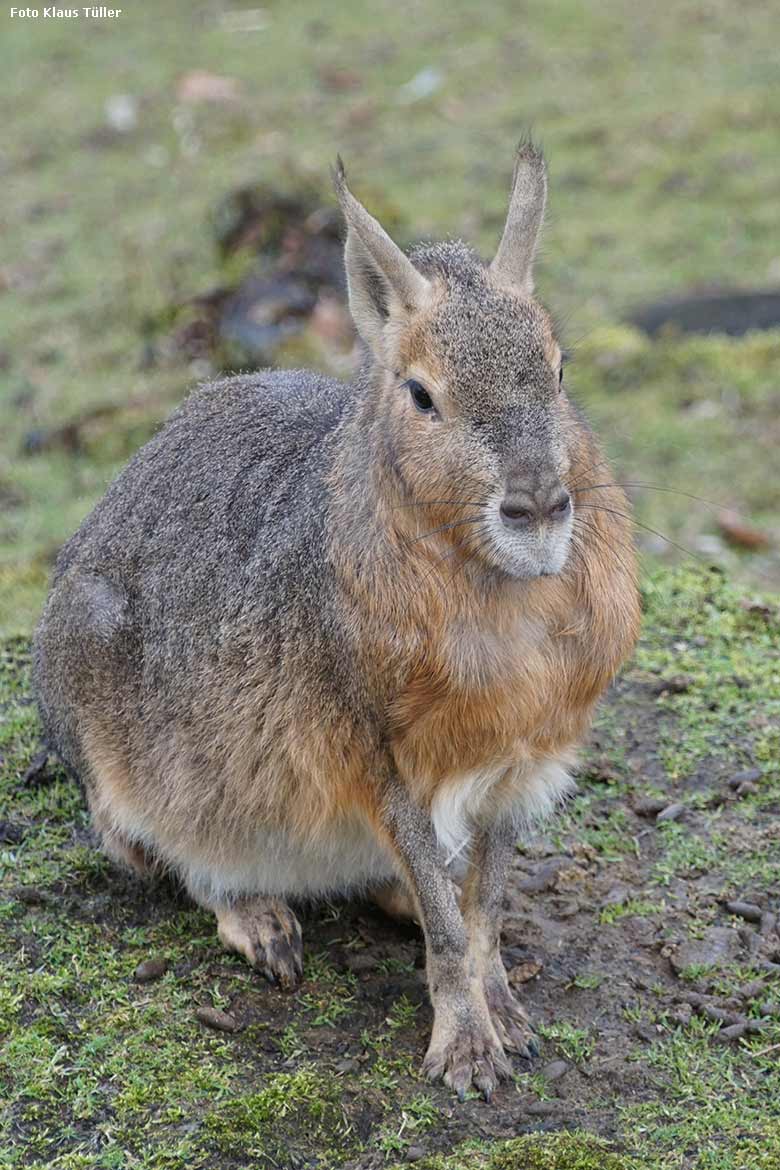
x,y
519,509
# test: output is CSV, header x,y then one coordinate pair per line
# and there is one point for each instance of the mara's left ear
x,y
514,261
380,277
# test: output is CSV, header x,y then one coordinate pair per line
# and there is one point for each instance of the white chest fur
x,y
532,792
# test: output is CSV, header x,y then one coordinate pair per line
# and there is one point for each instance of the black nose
x,y
519,509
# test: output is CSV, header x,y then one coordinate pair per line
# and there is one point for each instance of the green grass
x,y
568,1151
96,1070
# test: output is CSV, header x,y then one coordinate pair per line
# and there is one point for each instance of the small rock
x,y
545,876
414,1153
719,946
523,972
618,895
747,910
768,923
150,969
213,1018
347,1065
732,1033
749,776
650,806
555,1070
541,1108
719,1015
681,1015
751,940
672,812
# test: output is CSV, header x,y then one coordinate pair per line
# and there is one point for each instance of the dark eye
x,y
560,375
420,397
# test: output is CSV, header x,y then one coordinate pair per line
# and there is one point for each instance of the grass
x,y
98,1071
571,1151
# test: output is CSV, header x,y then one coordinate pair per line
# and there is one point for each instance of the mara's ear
x,y
514,260
380,277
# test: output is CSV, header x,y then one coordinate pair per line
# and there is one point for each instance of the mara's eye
x,y
420,397
560,375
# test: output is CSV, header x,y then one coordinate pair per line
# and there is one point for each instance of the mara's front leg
x,y
465,1049
482,904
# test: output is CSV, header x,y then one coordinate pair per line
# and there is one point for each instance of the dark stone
x,y
216,1020
150,969
716,311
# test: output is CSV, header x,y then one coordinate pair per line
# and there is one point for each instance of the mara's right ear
x,y
380,278
514,261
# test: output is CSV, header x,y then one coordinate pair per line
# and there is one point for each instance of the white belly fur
x,y
351,858
349,861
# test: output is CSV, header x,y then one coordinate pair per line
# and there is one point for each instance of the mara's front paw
x,y
466,1051
268,934
509,1017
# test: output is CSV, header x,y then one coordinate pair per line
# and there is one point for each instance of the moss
x,y
569,1151
563,1151
299,1108
98,1071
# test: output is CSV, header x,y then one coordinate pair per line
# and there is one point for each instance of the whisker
x,y
573,486
614,512
592,487
431,503
445,528
607,542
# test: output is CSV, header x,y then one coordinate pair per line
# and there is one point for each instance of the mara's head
x,y
468,378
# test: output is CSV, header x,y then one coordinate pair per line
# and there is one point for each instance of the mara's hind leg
x,y
266,932
394,898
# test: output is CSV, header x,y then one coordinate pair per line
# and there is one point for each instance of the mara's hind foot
x,y
395,899
267,933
